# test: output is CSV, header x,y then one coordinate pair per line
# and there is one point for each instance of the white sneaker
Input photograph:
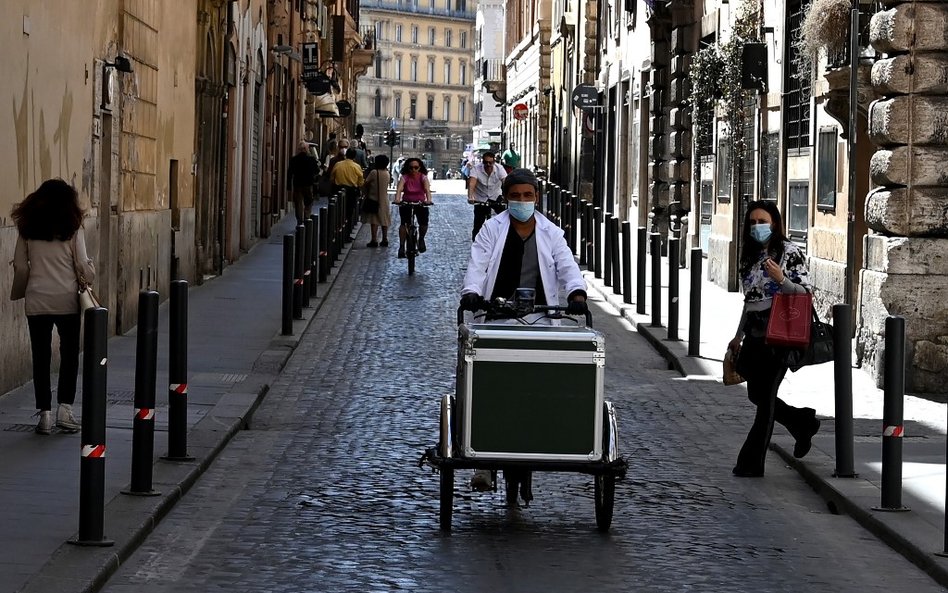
x,y
45,424
65,419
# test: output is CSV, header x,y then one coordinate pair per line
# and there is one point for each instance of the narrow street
x,y
324,492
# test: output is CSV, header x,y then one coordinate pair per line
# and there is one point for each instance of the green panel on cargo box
x,y
533,408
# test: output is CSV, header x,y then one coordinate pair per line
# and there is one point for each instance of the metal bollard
x,y
289,244
323,244
146,374
607,252
673,287
655,250
178,373
299,248
572,211
307,257
583,227
843,382
616,262
92,460
892,410
313,257
694,316
597,242
332,234
627,262
641,241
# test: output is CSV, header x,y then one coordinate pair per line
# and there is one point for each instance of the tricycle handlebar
x,y
504,309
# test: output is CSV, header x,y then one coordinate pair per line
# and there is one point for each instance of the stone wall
x,y
907,253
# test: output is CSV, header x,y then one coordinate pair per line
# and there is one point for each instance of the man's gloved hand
x,y
471,301
577,307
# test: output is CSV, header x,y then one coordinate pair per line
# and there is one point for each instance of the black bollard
x,y
597,242
92,460
146,374
299,253
583,228
178,373
892,428
307,257
323,244
289,243
331,233
673,287
607,252
627,262
313,257
572,210
641,241
655,250
843,382
694,316
617,279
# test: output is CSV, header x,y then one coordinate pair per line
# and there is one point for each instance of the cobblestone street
x,y
324,492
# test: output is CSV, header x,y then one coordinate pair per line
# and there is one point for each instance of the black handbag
x,y
820,349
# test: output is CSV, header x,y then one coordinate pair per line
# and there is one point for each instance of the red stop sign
x,y
520,111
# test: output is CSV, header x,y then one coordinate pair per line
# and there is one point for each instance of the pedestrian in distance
x,y
769,263
342,146
511,158
483,189
300,178
49,263
413,187
376,189
521,248
348,176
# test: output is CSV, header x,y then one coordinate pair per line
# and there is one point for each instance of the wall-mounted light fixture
x,y
288,51
121,64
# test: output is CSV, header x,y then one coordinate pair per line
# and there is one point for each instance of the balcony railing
x,y
413,7
493,70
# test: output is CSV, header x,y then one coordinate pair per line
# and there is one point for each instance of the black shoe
x,y
383,243
744,473
805,440
421,246
401,253
372,244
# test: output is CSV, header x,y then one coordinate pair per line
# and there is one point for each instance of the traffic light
x,y
391,138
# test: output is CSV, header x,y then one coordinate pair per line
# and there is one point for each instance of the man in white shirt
x,y
484,184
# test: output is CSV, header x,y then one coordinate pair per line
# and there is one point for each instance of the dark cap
x,y
518,176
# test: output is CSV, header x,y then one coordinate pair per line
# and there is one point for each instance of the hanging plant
x,y
824,31
707,86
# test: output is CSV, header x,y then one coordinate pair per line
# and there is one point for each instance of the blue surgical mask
x,y
761,232
522,211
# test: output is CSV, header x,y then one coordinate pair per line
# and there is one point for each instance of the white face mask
x,y
522,211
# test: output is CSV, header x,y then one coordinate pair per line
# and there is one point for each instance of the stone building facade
x,y
422,79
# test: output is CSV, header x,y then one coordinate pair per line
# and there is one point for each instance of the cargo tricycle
x,y
528,398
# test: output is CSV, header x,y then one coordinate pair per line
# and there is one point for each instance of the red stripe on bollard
x,y
895,431
179,388
93,451
144,414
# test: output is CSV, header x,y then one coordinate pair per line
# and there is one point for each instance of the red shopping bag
x,y
790,320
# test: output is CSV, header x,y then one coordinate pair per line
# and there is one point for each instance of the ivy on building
x,y
715,74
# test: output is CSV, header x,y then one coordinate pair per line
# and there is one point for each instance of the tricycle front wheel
x,y
447,498
605,494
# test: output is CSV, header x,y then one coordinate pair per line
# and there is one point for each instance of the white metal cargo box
x,y
530,392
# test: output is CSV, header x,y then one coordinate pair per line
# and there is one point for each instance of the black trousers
x,y
764,367
481,213
41,338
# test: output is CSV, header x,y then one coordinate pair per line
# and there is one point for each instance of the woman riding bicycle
x,y
413,188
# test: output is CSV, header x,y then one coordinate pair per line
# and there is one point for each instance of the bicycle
x,y
490,208
411,235
528,398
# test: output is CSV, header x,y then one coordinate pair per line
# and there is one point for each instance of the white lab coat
x,y
558,268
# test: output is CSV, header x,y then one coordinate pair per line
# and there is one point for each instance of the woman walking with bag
x,y
49,263
375,208
769,264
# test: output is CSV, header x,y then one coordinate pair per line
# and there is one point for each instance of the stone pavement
x,y
919,532
235,357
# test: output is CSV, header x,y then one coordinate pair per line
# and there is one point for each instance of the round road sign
x,y
520,111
